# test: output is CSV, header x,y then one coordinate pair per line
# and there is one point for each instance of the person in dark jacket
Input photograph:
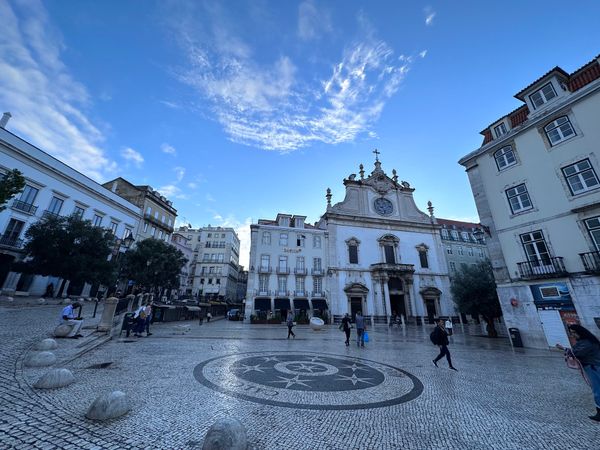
x,y
290,325
439,337
587,351
346,327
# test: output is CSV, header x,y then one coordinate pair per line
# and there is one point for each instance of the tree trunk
x,y
62,286
490,327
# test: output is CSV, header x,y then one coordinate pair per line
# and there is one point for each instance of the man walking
x,y
290,324
360,329
346,327
439,337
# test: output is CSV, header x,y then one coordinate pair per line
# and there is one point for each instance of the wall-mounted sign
x,y
292,250
514,302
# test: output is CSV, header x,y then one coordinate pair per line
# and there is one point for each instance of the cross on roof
x,y
377,152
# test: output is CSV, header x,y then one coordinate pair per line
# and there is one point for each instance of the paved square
x,y
311,392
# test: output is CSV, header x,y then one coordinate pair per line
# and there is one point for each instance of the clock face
x,y
383,206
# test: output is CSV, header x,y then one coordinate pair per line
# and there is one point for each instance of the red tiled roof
x,y
487,136
458,224
518,116
554,69
585,75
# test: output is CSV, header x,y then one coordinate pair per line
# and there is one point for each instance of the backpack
x,y
434,337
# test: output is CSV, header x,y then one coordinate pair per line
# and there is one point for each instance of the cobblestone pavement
x,y
311,392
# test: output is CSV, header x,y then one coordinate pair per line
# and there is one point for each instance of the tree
x,y
474,291
11,184
154,264
69,248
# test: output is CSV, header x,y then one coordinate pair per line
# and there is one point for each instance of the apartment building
x,y
464,243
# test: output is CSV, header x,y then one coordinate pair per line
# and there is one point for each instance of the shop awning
x,y
319,304
203,304
301,303
282,303
262,304
192,308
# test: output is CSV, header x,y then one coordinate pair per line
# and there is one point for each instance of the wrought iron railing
x,y
50,214
9,241
265,269
25,207
317,271
300,270
542,268
283,270
591,261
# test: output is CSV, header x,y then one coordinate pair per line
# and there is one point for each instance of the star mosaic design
x,y
246,368
311,368
292,381
354,379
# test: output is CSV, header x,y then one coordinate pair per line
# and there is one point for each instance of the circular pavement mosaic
x,y
309,380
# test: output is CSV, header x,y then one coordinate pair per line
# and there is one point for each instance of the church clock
x,y
383,206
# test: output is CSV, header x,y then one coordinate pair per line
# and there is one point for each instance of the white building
x,y
52,188
287,266
215,262
378,252
182,243
536,186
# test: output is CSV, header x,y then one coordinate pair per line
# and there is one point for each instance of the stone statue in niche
x,y
352,176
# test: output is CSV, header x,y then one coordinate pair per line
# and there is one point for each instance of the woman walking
x,y
587,351
290,325
346,327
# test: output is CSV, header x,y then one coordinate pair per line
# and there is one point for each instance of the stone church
x,y
383,254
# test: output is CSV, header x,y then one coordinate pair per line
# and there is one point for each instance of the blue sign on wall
x,y
551,294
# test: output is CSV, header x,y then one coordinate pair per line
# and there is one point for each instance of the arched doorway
x,y
397,302
357,298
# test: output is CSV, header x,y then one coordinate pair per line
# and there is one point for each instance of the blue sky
x,y
238,110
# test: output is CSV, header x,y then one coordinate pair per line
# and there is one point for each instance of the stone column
x,y
130,300
386,295
110,306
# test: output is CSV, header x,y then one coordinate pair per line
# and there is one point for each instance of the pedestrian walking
x,y
587,351
360,329
290,324
148,312
439,337
345,326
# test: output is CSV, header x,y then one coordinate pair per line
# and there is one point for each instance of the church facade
x,y
381,254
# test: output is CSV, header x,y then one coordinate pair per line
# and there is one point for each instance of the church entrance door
x,y
397,304
355,306
431,312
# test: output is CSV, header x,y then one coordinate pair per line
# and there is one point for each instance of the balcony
x,y
300,271
591,261
50,215
317,294
11,242
300,294
542,268
25,207
150,218
283,270
265,269
259,293
317,272
279,293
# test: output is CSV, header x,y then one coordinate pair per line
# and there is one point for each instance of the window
x,y
452,266
545,94
283,263
128,232
559,130
300,238
218,281
581,177
593,227
97,220
156,215
282,284
13,231
299,284
265,261
145,227
316,241
78,212
518,199
388,251
317,284
423,258
449,250
535,248
221,257
211,269
222,235
160,234
283,239
113,227
500,129
148,210
266,238
202,280
209,235
300,262
317,264
353,253
28,195
55,205
460,250
263,283
153,233
205,257
470,251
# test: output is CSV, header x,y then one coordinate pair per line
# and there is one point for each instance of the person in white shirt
x,y
448,326
68,317
140,318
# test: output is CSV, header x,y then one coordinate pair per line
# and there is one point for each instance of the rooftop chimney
x,y
5,118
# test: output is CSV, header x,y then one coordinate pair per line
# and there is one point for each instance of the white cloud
x,y
168,149
179,173
47,104
171,191
169,104
312,22
210,198
132,155
423,54
242,228
429,16
192,185
267,105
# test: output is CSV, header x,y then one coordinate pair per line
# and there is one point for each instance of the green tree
x,y
69,248
154,264
474,291
11,184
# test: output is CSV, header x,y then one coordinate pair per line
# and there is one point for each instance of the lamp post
x,y
124,244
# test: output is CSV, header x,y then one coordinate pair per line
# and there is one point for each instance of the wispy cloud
x,y
132,155
271,105
192,185
179,173
423,54
429,16
312,22
168,149
169,104
171,191
210,198
48,105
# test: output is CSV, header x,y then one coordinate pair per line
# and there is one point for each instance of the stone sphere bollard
x,y
316,324
226,434
108,406
47,344
55,378
40,359
62,330
41,301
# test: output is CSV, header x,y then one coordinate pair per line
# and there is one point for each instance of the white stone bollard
x,y
316,324
46,344
226,434
55,378
108,406
40,359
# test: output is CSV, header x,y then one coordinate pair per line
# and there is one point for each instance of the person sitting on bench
x,y
69,318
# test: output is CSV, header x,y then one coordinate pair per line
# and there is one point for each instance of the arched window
x,y
423,249
353,244
389,245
